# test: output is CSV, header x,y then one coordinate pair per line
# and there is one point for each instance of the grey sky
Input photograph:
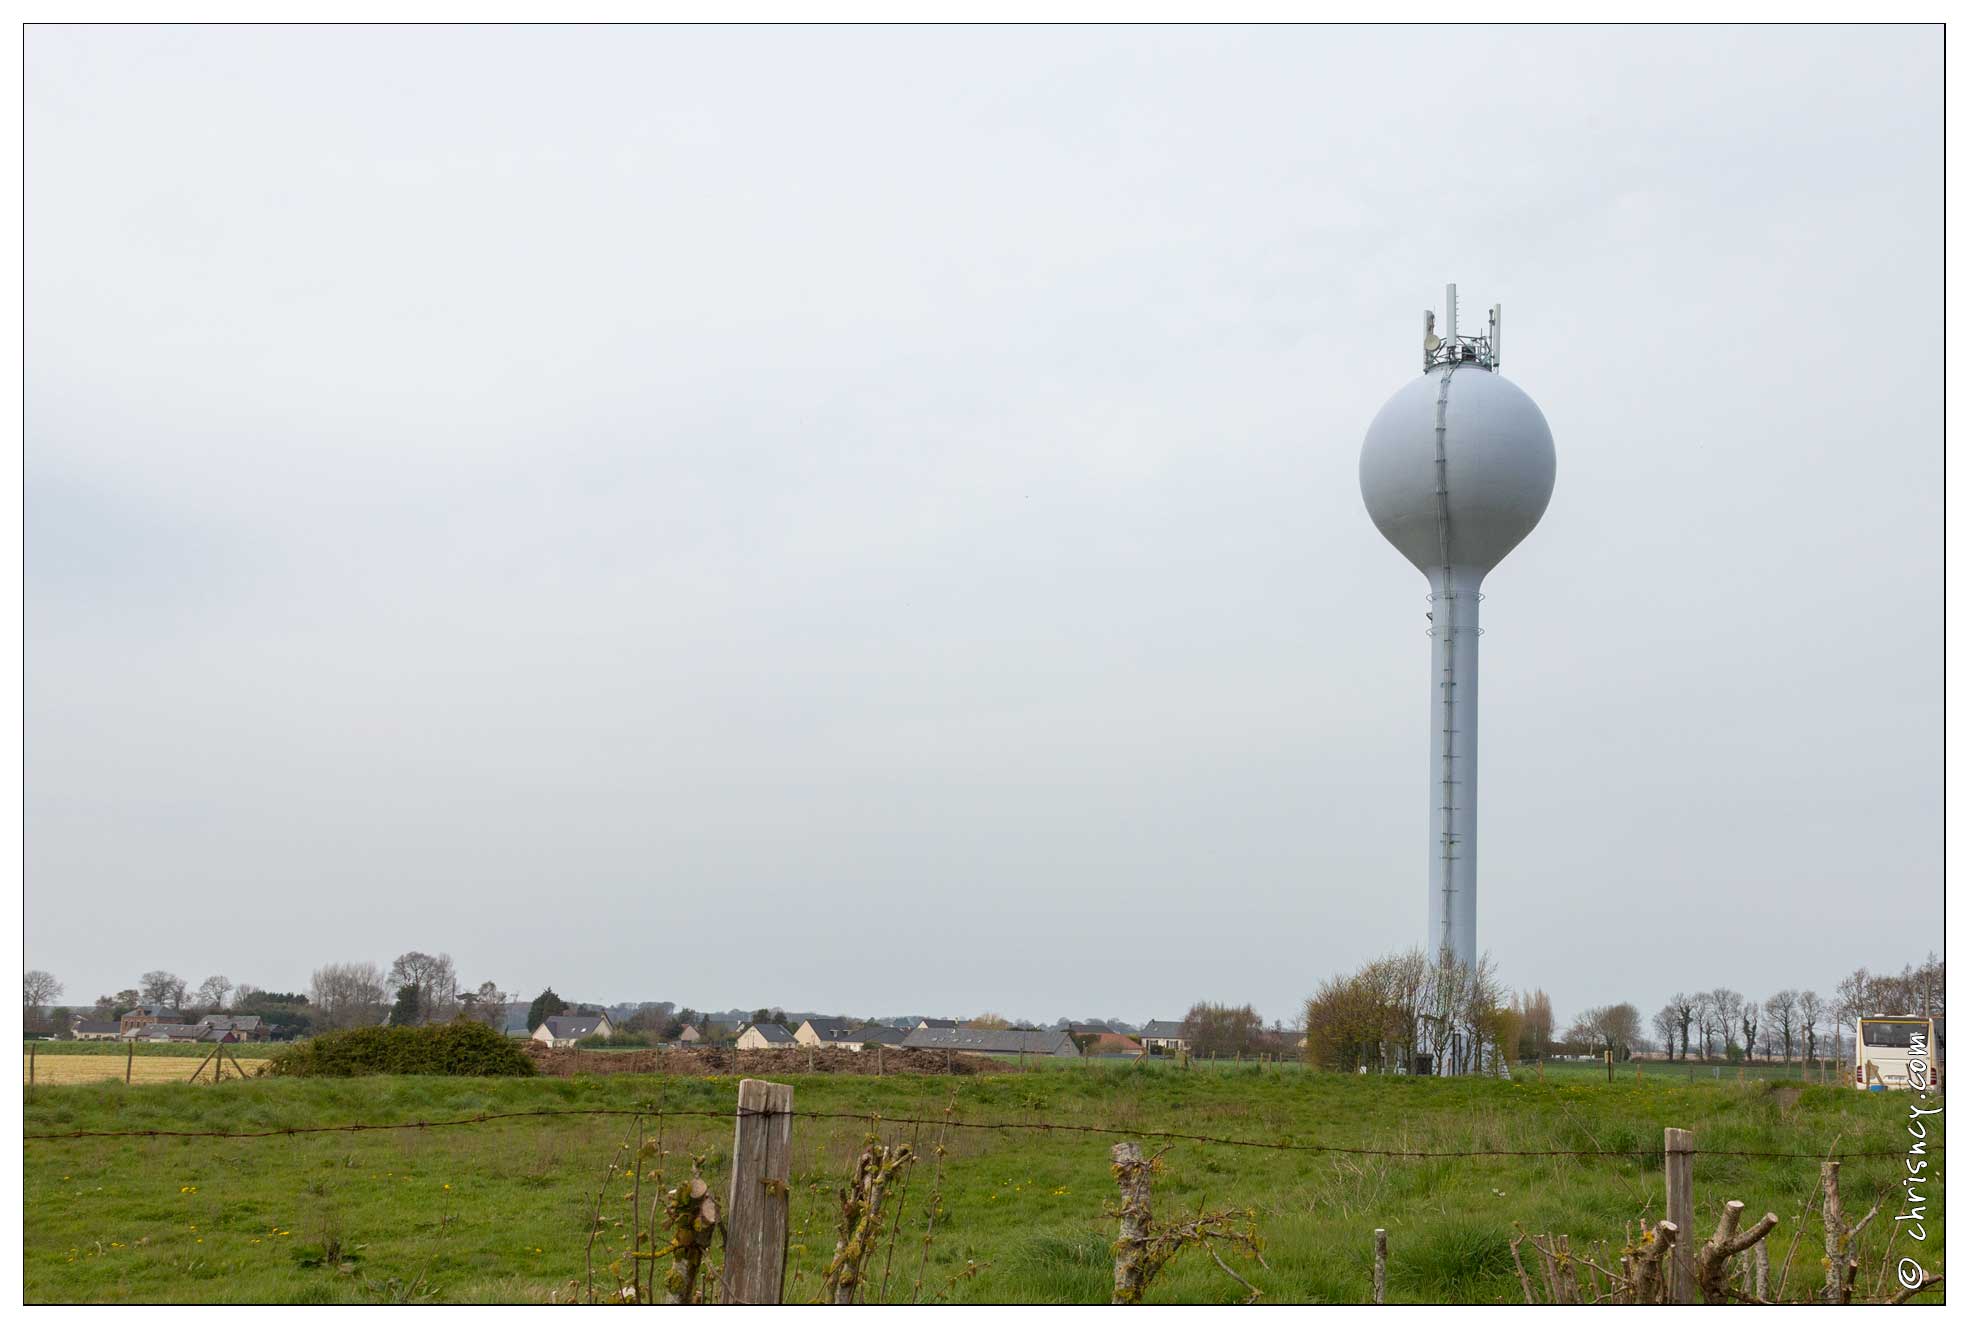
x,y
867,518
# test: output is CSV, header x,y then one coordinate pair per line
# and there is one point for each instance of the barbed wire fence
x,y
663,1252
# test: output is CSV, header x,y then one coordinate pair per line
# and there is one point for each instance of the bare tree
x,y
212,993
1810,1012
435,980
38,989
1614,1029
486,1004
1704,1004
1852,998
160,987
1223,1030
346,995
1747,1021
1782,1008
1666,1021
1930,985
1536,1011
1685,1015
1727,1005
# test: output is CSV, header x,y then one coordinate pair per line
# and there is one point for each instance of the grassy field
x,y
500,1212
50,1047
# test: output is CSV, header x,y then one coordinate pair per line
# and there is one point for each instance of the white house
x,y
764,1036
563,1031
828,1034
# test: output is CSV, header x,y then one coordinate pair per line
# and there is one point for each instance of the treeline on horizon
x,y
1391,1011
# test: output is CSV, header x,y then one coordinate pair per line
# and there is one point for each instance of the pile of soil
x,y
758,1062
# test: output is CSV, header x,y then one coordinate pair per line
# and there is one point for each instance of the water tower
x,y
1456,470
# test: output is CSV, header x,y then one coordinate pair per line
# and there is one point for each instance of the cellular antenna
x,y
1452,349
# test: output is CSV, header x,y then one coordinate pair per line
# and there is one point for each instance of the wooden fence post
x,y
1131,1171
1380,1266
129,1061
1678,1159
756,1218
30,1065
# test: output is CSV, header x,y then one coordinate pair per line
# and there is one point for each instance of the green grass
x,y
499,1212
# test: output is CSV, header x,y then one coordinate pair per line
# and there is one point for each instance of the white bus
x,y
1898,1052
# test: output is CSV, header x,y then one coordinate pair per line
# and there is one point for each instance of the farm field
x,y
499,1212
59,1068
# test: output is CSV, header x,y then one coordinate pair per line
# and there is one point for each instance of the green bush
x,y
463,1047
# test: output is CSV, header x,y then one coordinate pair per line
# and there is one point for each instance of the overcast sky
x,y
867,519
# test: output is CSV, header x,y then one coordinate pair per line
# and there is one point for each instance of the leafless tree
x,y
434,978
212,993
486,1004
1810,1012
1930,984
1608,1028
1782,1008
1223,1031
1536,1012
346,995
1747,1021
1666,1021
1685,1015
1704,1005
38,989
1727,1006
1852,998
160,987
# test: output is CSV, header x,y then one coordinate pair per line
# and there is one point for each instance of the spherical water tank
x,y
1495,468
1456,470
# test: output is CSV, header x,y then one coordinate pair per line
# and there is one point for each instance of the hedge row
x,y
463,1047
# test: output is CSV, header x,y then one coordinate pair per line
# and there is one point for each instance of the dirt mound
x,y
757,1062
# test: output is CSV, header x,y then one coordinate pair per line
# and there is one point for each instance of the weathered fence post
x,y
129,1061
30,1065
1678,1162
878,1058
756,1218
1380,1266
1131,1172
1841,1241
